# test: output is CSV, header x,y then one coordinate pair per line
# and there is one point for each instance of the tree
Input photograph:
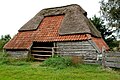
x,y
105,31
6,37
99,23
4,40
110,12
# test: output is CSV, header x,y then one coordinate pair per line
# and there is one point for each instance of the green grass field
x,y
33,71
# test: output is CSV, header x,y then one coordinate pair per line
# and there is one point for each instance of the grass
x,y
36,72
33,71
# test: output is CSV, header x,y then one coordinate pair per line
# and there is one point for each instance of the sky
x,y
15,13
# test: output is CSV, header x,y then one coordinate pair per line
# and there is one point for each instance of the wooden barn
x,y
62,30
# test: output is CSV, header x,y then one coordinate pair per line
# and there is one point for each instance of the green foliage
x,y
110,11
6,37
99,24
115,45
6,59
4,40
58,62
2,43
105,32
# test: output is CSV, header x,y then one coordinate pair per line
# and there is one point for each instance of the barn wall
x,y
18,54
77,48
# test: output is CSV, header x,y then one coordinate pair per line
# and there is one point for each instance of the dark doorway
x,y
41,50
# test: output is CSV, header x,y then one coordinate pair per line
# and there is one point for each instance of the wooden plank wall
x,y
111,59
77,48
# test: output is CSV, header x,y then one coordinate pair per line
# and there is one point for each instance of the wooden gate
x,y
111,59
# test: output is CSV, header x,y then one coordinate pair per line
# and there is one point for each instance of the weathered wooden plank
x,y
90,61
71,54
41,55
115,54
94,45
70,46
39,59
42,47
75,45
75,52
112,59
41,51
111,64
69,50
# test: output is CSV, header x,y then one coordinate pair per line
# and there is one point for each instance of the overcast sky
x,y
15,13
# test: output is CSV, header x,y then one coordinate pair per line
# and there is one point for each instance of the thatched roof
x,y
74,22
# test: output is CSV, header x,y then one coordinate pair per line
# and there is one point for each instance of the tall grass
x,y
6,59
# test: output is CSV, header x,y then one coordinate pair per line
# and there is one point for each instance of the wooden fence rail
x,y
111,59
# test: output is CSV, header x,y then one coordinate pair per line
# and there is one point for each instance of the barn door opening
x,y
42,50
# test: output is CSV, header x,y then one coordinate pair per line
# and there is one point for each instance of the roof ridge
x,y
65,6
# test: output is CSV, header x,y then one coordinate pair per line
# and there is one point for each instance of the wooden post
x,y
103,57
29,55
52,51
103,60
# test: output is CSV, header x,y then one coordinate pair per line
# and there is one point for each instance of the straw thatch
x,y
75,20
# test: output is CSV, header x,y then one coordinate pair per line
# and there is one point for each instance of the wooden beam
x,y
113,59
41,51
112,64
74,44
41,55
111,54
77,49
94,45
43,47
77,52
39,59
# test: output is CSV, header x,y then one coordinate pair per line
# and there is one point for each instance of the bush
x,y
58,62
